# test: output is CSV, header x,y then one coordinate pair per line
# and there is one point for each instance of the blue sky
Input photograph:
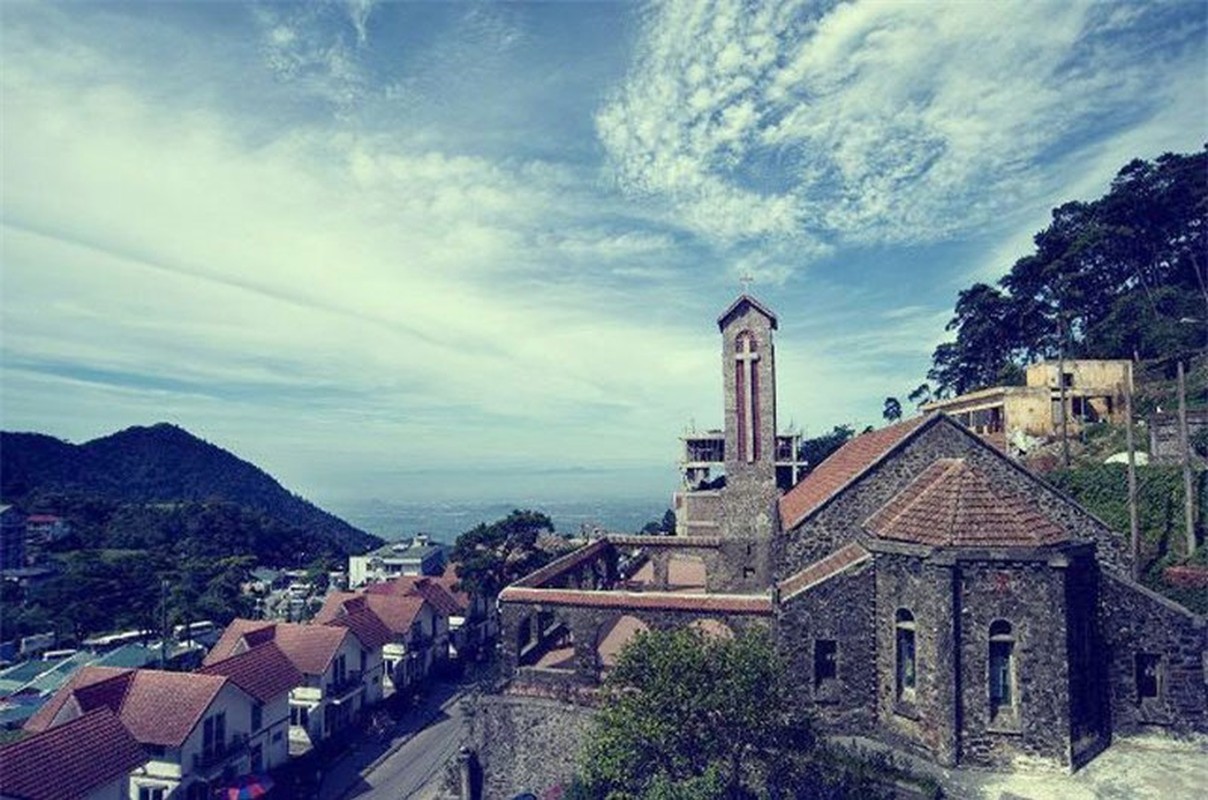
x,y
417,251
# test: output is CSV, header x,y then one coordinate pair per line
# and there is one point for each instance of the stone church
x,y
926,591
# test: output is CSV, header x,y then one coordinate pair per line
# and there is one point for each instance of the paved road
x,y
419,762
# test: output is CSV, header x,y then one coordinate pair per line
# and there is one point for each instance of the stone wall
x,y
1135,620
839,521
525,743
841,610
1030,598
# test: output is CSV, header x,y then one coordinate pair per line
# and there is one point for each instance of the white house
x,y
194,727
267,674
408,657
414,557
341,670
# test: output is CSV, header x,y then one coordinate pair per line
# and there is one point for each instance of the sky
x,y
445,251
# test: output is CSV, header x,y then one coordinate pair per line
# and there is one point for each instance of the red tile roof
x,y
157,707
310,647
843,467
399,613
366,626
69,760
429,588
116,680
264,672
951,503
823,569
240,635
732,603
396,611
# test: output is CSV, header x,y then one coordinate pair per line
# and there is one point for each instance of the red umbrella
x,y
248,788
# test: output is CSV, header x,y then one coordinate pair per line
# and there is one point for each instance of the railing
x,y
350,682
220,754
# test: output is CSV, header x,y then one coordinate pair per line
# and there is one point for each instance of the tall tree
x,y
892,410
489,557
684,709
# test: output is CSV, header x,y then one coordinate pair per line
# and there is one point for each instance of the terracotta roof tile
x,y
334,606
844,466
264,672
310,647
399,613
952,504
732,603
163,707
69,760
450,580
365,625
240,635
429,588
844,558
157,707
118,680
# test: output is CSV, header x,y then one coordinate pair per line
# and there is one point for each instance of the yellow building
x,y
1093,393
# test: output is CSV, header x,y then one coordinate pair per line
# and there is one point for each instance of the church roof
x,y
842,468
953,504
823,569
742,301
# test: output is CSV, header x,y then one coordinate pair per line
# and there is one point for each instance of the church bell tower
x,y
749,378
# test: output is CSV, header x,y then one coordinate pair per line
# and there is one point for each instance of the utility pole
x,y
1065,438
1134,528
1185,444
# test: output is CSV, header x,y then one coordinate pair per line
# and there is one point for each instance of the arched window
x,y
1002,668
904,649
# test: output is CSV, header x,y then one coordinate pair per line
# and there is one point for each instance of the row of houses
x,y
267,690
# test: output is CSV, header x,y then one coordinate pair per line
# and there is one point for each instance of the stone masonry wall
x,y
839,522
925,723
525,744
1135,620
842,610
1030,597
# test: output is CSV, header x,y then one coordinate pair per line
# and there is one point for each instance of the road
x,y
418,763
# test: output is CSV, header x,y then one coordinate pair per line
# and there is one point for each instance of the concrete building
x,y
1093,392
416,557
926,591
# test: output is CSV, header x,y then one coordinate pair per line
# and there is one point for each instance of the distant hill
x,y
161,465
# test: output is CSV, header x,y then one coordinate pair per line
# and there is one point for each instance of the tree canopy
x,y
1124,276
693,715
490,556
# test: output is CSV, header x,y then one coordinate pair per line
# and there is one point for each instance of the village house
x,y
409,655
90,757
268,676
341,666
927,591
195,728
470,623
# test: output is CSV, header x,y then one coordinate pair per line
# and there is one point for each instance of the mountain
x,y
160,464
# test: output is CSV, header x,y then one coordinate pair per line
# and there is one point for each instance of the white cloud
x,y
878,122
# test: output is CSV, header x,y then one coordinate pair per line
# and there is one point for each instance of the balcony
x,y
213,760
338,691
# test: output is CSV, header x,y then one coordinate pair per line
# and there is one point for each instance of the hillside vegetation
x,y
149,486
163,524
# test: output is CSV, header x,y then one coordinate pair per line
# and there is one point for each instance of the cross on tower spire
x,y
746,279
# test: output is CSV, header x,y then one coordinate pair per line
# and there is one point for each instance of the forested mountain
x,y
1124,276
151,485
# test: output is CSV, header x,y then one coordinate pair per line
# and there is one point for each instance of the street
x,y
411,757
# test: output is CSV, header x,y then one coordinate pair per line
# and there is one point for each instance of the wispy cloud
x,y
873,122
